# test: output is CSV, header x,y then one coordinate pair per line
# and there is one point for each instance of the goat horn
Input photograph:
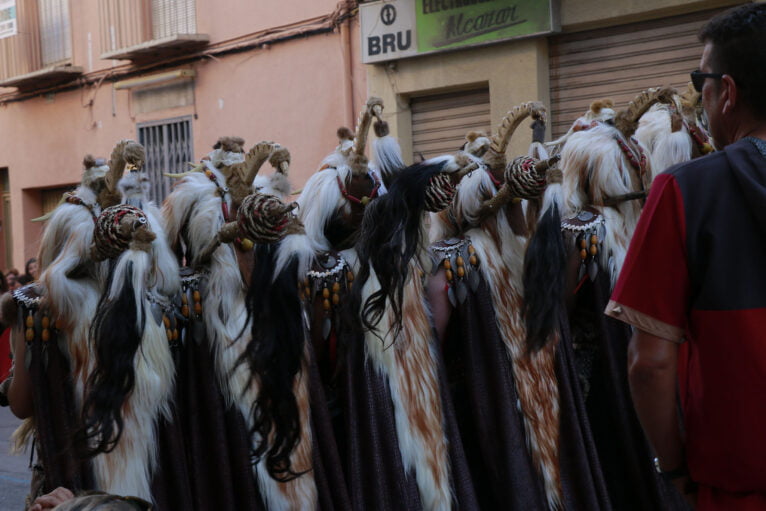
x,y
512,120
627,120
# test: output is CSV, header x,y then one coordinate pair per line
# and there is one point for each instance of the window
x,y
171,17
55,38
169,149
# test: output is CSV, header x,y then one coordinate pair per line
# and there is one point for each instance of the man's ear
x,y
729,91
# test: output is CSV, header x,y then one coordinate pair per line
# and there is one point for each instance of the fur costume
x,y
400,352
331,208
197,209
131,385
529,456
70,285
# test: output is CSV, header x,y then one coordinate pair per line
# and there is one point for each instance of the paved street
x,y
14,474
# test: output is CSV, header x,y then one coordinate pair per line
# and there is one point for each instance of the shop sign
x,y
7,18
394,29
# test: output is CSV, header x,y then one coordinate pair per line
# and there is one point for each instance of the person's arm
x,y
441,308
652,373
653,377
20,394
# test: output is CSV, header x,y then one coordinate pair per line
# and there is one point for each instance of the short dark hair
x,y
738,36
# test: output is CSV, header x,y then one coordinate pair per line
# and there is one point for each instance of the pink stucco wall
x,y
293,93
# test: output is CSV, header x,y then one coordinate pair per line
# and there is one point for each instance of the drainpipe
x,y
348,73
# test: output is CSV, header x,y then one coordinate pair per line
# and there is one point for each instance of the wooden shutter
x,y
619,62
440,122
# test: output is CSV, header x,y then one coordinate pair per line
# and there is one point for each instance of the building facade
x,y
588,50
78,75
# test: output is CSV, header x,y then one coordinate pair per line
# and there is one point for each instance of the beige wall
x,y
515,72
296,93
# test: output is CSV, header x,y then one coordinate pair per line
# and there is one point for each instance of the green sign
x,y
446,24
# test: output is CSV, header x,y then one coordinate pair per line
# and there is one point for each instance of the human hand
x,y
52,499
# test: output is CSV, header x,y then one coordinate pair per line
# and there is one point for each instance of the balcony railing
x,y
143,29
40,53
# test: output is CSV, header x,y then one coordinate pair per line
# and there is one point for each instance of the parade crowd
x,y
578,327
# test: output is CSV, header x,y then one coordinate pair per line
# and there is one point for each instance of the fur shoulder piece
x,y
458,258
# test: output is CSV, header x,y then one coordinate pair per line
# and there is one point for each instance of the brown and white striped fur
x,y
409,365
501,255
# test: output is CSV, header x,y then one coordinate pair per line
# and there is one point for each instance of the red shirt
x,y
696,271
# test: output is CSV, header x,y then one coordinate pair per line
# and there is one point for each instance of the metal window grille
x,y
55,32
169,148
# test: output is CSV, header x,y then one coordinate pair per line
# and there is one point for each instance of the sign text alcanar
x,y
443,24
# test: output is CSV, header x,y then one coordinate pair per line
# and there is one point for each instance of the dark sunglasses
x,y
698,78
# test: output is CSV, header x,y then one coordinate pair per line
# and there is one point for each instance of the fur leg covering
x,y
534,373
408,363
127,468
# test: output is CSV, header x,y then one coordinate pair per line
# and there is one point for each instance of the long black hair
x,y
274,356
390,236
116,336
544,279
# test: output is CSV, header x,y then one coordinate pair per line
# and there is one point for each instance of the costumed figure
x,y
130,387
606,173
55,318
129,393
246,389
520,414
398,406
322,260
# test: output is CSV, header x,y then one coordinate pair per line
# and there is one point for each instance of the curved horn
x,y
135,155
280,160
689,100
194,167
373,108
116,165
255,158
512,120
627,120
124,153
357,159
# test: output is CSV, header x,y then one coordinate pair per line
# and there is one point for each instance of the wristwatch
x,y
676,473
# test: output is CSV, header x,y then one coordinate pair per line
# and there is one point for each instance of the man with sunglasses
x,y
694,286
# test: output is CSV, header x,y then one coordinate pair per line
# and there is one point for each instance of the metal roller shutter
x,y
619,62
440,122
